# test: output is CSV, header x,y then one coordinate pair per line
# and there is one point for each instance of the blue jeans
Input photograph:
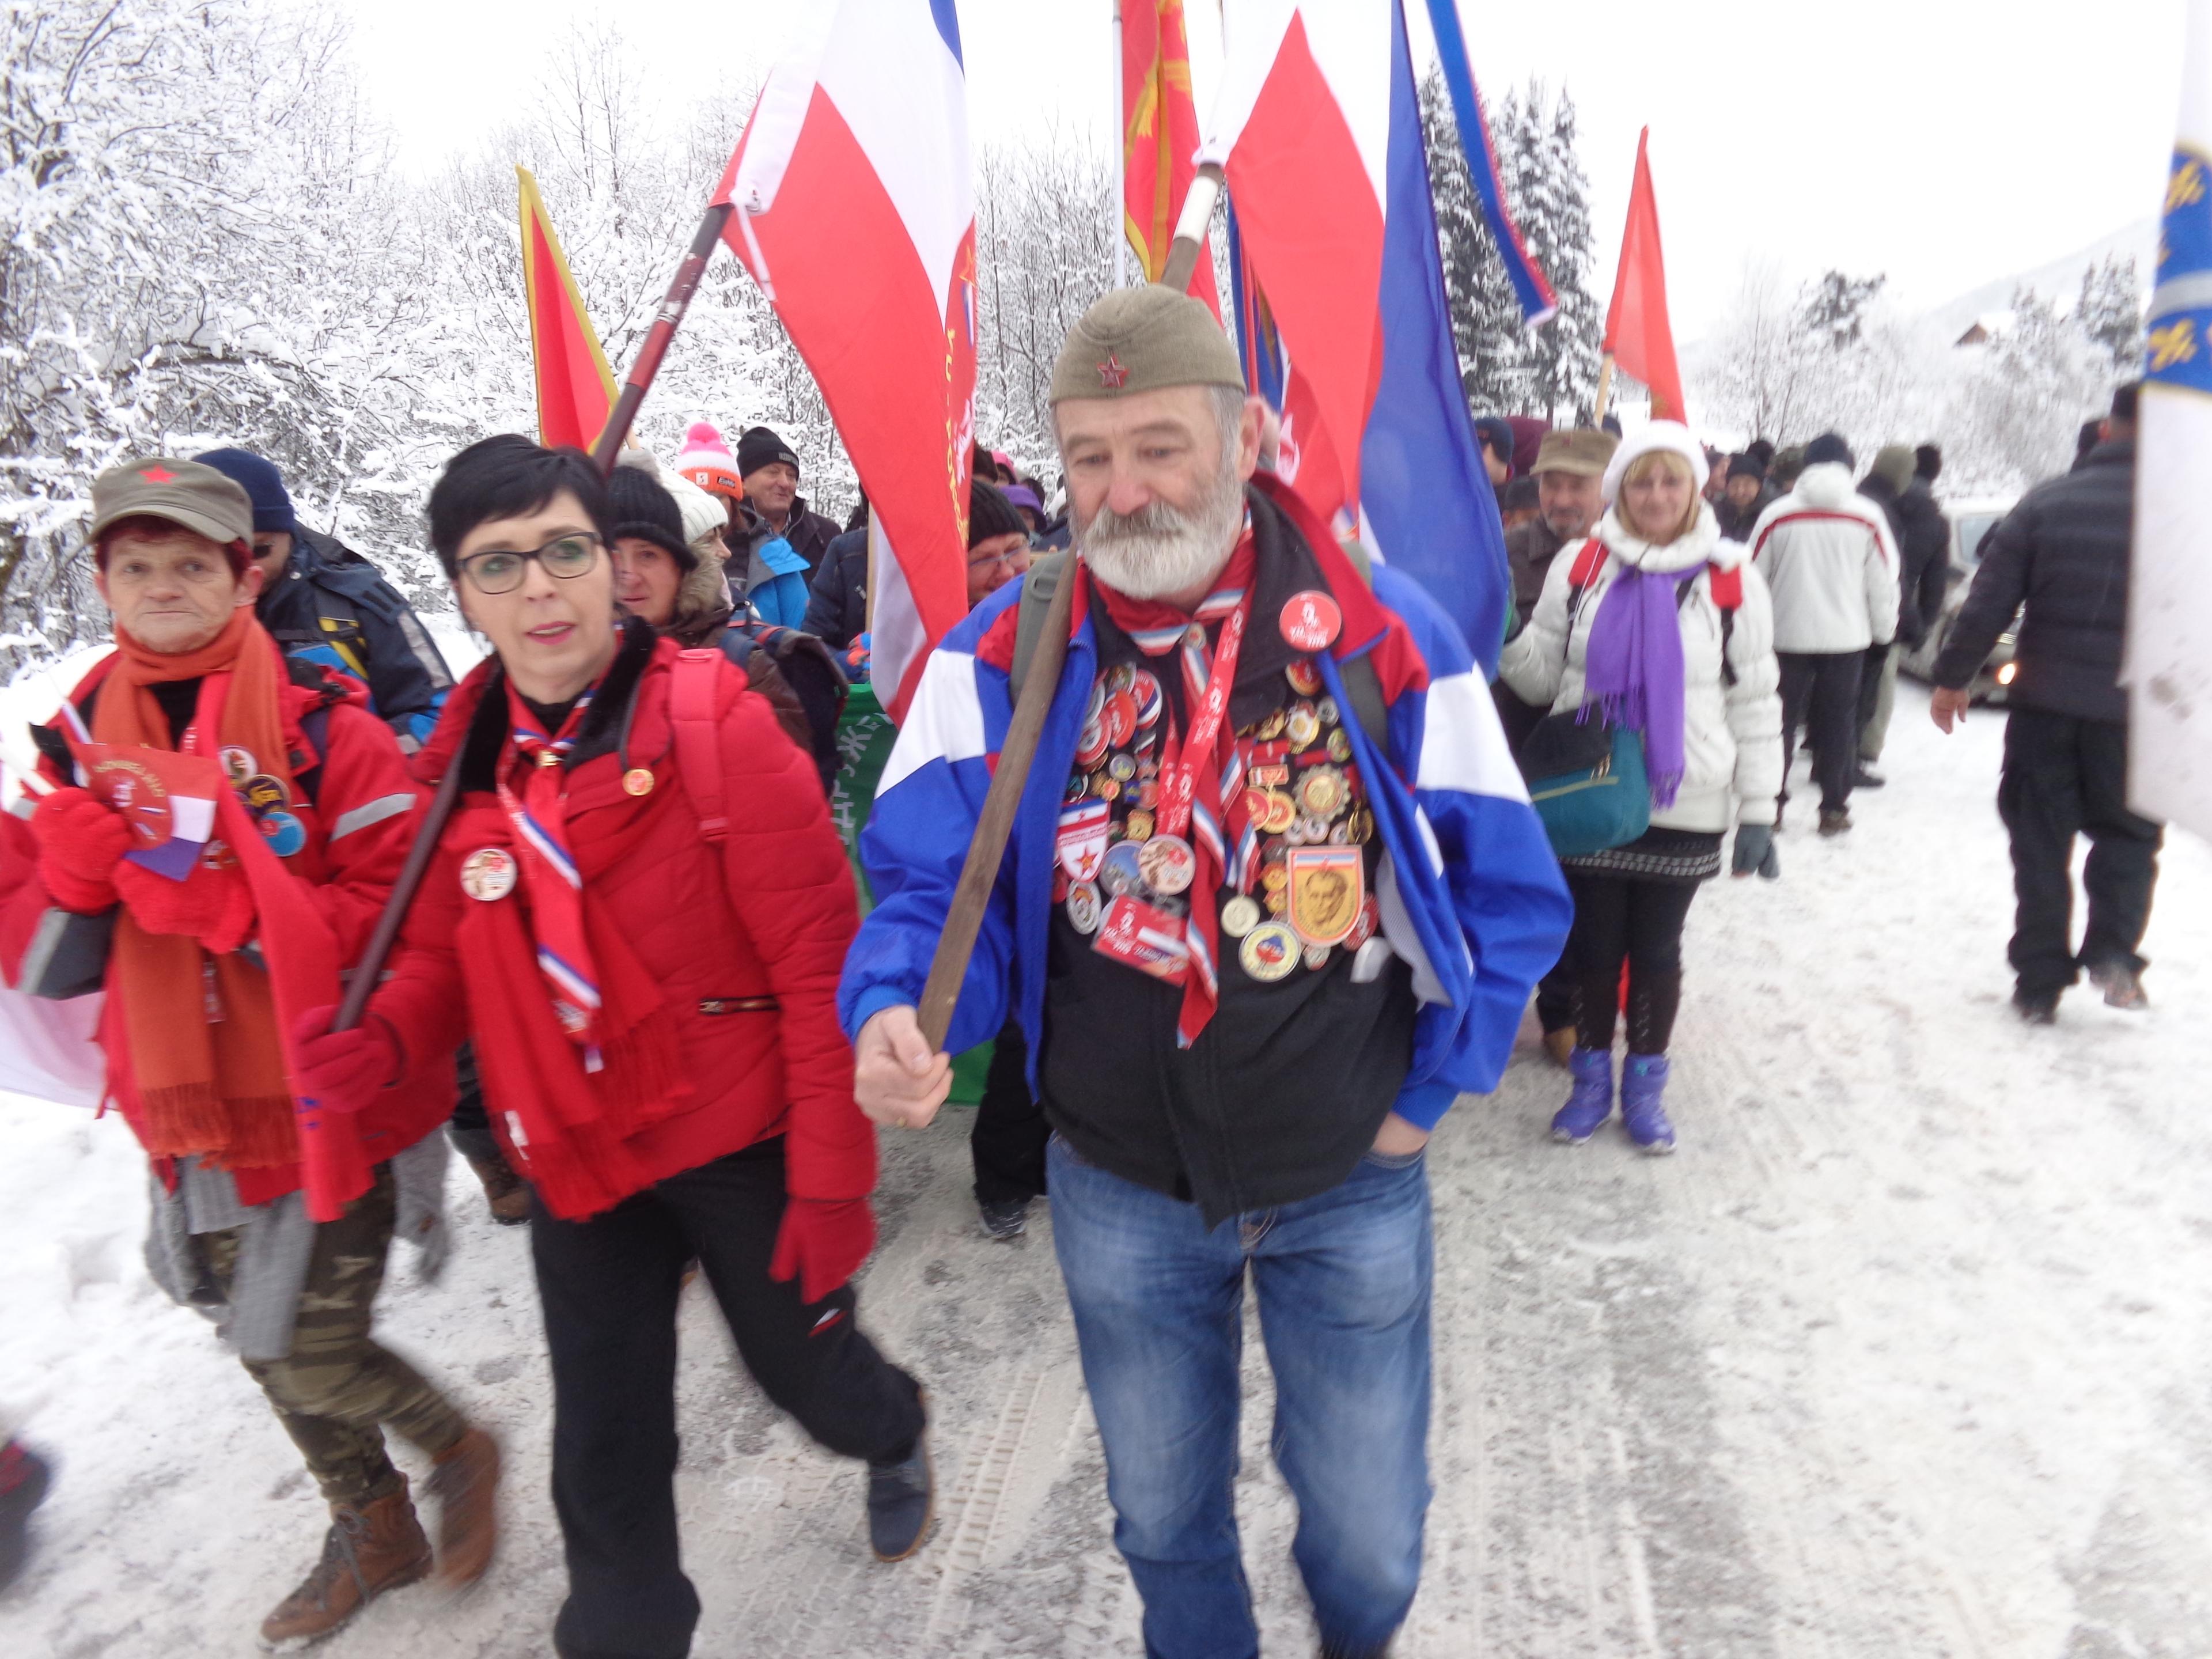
x,y
1343,1281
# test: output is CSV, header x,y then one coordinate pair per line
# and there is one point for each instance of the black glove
x,y
1754,850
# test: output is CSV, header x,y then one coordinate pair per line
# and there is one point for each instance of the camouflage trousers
x,y
338,1389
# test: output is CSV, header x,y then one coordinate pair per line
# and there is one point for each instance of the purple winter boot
x,y
1591,1103
1643,1081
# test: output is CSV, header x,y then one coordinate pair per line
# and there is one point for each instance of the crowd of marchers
x,y
1277,893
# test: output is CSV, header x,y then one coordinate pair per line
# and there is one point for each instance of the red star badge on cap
x,y
1111,375
158,475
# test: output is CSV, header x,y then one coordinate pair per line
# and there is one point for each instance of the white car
x,y
1972,520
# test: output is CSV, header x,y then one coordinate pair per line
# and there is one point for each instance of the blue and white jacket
x,y
1471,895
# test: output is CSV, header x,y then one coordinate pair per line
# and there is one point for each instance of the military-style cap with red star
x,y
1140,339
184,493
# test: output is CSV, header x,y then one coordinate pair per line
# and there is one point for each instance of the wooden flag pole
x,y
1196,219
964,918
949,967
366,973
1604,389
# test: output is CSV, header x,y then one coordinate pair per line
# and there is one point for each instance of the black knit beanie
x,y
1928,463
761,448
639,506
990,513
1747,466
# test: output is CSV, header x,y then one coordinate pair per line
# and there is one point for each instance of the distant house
x,y
1990,325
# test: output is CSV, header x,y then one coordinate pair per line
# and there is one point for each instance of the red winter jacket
x,y
358,832
746,941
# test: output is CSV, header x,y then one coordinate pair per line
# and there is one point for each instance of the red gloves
x,y
81,842
824,1240
214,907
343,1070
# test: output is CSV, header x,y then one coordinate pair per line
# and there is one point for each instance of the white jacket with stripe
x,y
1831,564
1731,734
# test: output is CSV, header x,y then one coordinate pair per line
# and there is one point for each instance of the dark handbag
x,y
1587,783
68,955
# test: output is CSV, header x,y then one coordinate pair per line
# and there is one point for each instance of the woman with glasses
x,y
998,542
655,1025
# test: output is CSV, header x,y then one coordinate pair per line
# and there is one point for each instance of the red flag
x,y
1637,332
1159,138
576,387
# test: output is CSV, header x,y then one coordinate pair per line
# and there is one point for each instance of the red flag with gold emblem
x,y
1159,138
576,387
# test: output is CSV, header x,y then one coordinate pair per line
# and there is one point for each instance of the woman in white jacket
x,y
1640,633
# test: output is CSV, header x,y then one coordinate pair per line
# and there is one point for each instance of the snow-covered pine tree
x,y
2109,311
1487,324
1550,195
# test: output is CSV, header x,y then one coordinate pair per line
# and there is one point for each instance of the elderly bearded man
x,y
1275,896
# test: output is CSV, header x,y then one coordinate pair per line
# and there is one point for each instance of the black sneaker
x,y
1008,1219
901,1500
2036,1007
1867,778
1835,821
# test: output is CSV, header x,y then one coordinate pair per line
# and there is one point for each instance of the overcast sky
x,y
1944,142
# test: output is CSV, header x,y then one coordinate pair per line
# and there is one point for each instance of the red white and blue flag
x,y
855,213
1319,130
1530,286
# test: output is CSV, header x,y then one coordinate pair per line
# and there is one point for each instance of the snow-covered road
x,y
1904,1355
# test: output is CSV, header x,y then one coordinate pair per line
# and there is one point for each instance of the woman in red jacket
x,y
638,911
215,940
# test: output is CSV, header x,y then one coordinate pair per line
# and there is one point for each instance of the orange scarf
x,y
206,1052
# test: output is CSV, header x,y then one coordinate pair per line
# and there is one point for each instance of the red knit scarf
x,y
206,1053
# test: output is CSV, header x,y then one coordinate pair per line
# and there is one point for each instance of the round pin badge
x,y
1240,915
1311,620
1120,678
1304,677
1090,747
1340,746
1317,956
1079,785
1167,864
1269,952
239,765
1106,786
1138,825
265,794
1146,691
488,874
1085,906
1119,721
1301,726
283,832
1322,792
1119,872
1328,710
1123,766
638,781
1282,814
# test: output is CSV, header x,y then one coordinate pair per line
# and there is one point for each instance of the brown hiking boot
x,y
368,1551
465,1482
504,1191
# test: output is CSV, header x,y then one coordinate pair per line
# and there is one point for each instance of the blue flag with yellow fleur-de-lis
x,y
2169,667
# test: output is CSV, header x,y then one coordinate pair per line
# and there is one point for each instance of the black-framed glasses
x,y
565,557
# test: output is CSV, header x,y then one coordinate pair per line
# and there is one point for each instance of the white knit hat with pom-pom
x,y
706,461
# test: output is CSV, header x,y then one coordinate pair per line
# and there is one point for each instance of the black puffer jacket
x,y
2063,553
837,604
1923,551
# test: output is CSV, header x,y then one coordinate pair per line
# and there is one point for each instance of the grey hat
x,y
1143,339
186,493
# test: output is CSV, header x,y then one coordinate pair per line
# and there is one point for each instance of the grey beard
x,y
1158,550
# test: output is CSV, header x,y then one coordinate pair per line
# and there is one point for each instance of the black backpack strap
x,y
1363,690
315,727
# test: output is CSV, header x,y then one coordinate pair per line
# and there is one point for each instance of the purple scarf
x,y
1632,669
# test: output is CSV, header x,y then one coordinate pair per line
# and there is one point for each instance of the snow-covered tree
x,y
2109,311
2015,417
1506,368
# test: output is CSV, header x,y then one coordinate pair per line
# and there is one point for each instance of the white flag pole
x,y
1121,162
